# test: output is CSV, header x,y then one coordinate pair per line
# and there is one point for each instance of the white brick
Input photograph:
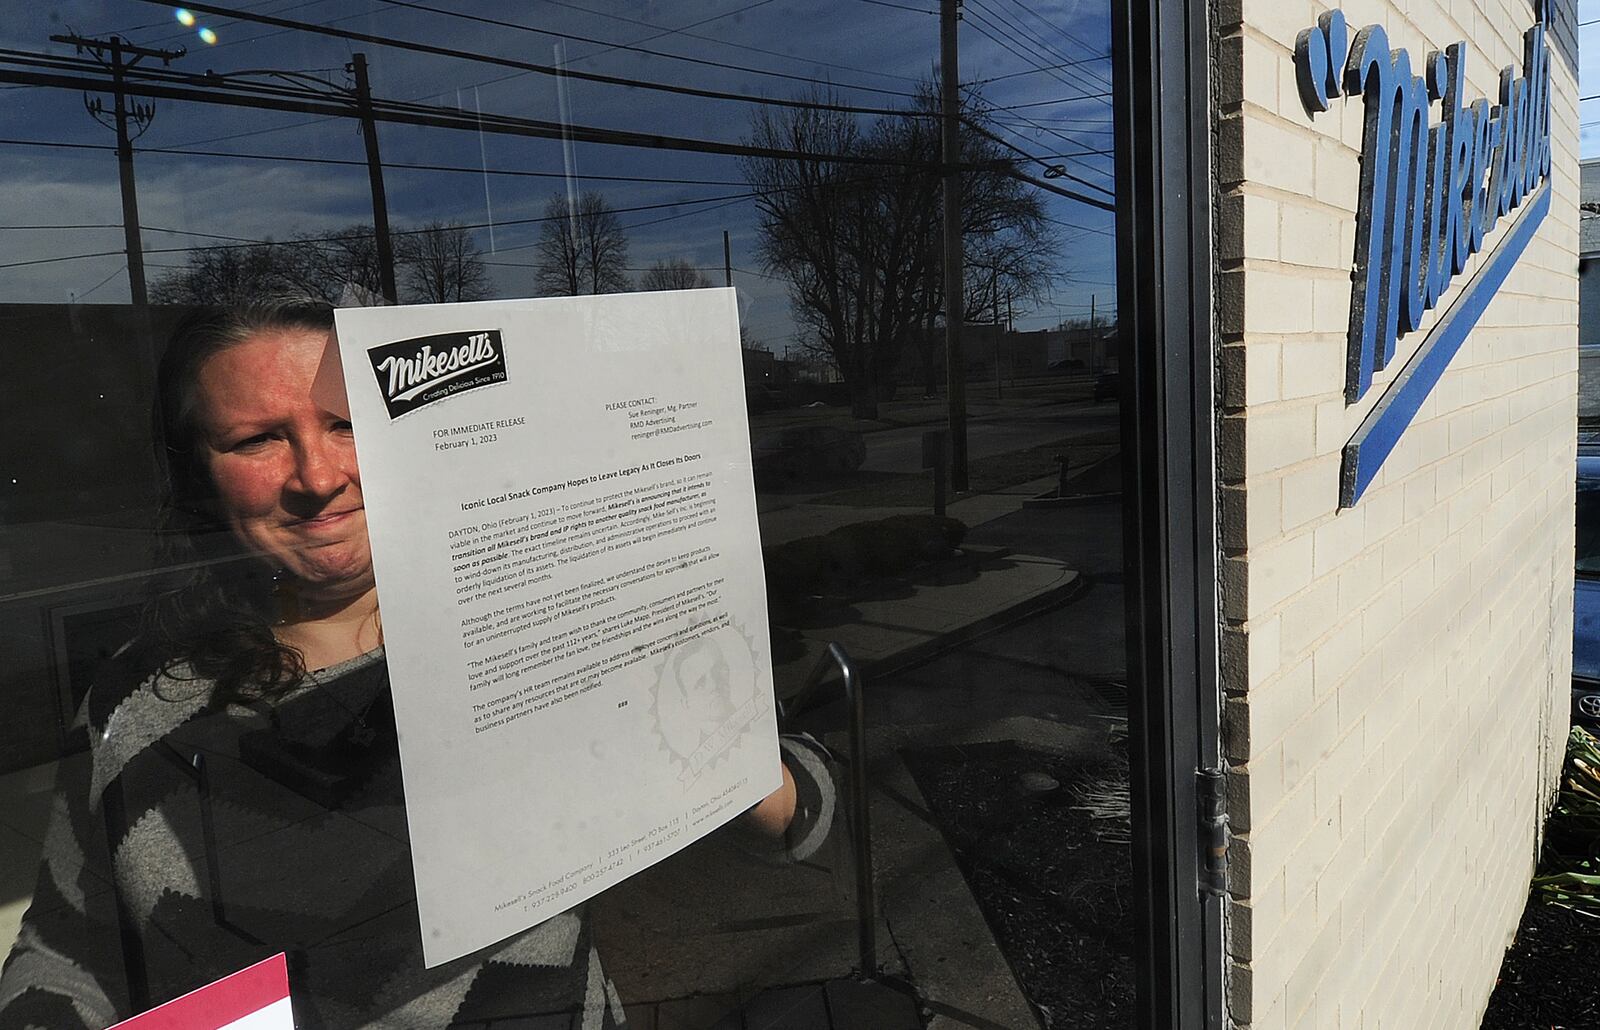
x,y
1395,651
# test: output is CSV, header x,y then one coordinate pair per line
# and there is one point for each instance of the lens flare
x,y
185,17
208,37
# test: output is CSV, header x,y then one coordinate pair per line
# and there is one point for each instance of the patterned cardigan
x,y
193,839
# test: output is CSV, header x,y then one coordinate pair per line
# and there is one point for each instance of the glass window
x,y
347,153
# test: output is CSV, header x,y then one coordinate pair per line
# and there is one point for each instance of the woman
x,y
242,795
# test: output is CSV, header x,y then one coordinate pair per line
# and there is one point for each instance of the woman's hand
x,y
773,814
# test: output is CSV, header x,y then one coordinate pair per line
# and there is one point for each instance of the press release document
x,y
564,539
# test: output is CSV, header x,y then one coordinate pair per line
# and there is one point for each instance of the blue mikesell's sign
x,y
1429,193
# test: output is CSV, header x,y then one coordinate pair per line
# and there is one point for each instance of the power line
x,y
545,69
220,90
66,257
1011,127
1051,171
1036,71
978,23
1062,29
436,117
609,45
900,7
1076,225
118,225
722,201
1062,134
167,23
1021,36
1058,100
1047,53
405,166
101,283
684,31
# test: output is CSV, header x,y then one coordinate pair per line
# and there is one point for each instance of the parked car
x,y
1586,593
807,450
1107,387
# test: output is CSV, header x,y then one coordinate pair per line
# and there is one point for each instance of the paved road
x,y
900,450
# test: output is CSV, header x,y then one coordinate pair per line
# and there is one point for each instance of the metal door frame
x,y
1161,60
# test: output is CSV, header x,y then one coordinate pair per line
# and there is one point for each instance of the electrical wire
x,y
1036,71
899,7
983,26
296,98
1064,133
662,32
449,118
1023,37
101,283
545,69
387,165
1051,171
1060,100
1088,79
724,202
1062,29
142,228
609,45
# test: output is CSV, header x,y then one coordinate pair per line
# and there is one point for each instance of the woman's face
x,y
284,468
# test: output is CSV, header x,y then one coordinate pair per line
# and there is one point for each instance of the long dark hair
x,y
213,620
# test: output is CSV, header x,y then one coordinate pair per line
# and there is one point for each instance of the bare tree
x,y
861,245
583,250
442,264
673,274
232,275
332,263
437,263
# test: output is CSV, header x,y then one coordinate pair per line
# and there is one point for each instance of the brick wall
x,y
1397,672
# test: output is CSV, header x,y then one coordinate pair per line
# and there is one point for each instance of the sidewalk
x,y
780,525
709,926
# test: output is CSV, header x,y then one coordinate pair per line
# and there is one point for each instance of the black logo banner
x,y
414,373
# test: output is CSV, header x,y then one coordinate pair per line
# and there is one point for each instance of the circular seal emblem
x,y
706,695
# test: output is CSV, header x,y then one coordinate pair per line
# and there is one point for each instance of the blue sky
x,y
871,53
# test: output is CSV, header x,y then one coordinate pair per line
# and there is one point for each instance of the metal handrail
x,y
866,904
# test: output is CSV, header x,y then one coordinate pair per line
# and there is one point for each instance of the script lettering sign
x,y
416,372
1429,195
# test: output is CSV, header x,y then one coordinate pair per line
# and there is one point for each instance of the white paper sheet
x,y
564,537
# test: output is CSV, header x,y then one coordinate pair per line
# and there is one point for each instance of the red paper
x,y
256,998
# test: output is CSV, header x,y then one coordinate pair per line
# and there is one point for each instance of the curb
x,y
798,669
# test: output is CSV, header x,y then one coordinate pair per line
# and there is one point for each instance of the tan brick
x,y
1397,678
1278,570
1312,235
1311,492
1314,368
1280,436
1277,302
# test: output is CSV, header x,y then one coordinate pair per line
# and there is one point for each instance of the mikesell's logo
x,y
412,373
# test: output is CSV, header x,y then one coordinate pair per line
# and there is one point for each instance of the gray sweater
x,y
162,873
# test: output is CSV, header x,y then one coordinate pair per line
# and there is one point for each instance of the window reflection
x,y
435,153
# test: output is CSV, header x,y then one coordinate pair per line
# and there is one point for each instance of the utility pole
x,y
727,258
118,55
1091,311
955,365
380,203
